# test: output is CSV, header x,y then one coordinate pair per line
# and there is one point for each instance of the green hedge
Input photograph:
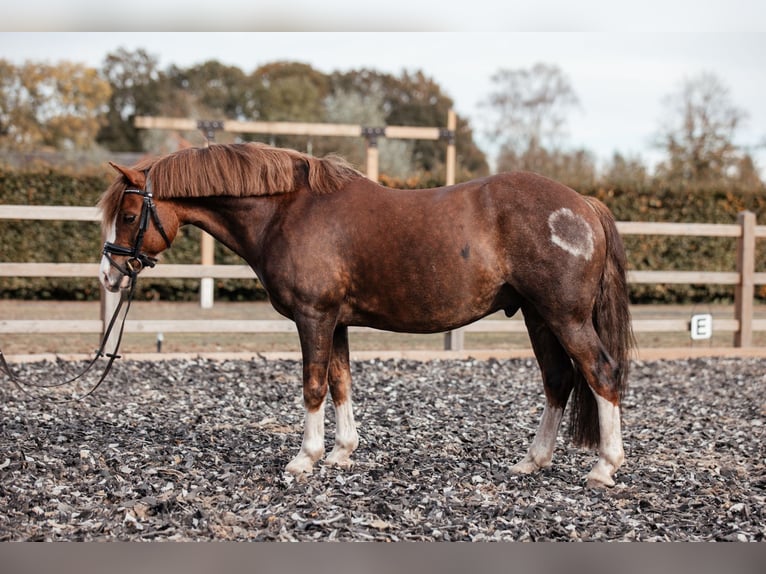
x,y
81,241
653,252
63,241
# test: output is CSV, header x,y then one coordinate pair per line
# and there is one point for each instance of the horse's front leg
x,y
316,336
346,436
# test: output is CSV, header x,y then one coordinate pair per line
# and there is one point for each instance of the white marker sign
x,y
701,326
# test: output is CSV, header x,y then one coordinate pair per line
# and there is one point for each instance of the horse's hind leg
x,y
600,371
346,437
557,372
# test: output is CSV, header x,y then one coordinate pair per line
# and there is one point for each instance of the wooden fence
x,y
742,324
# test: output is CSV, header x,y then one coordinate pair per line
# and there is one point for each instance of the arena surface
x,y
194,449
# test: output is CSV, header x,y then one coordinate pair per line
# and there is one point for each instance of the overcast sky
x,y
620,77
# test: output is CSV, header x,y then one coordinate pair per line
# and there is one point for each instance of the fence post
x,y
744,292
207,243
453,340
371,136
207,257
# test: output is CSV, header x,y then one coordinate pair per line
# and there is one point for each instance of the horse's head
x,y
137,227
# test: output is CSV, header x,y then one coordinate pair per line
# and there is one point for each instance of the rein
x,y
23,386
137,260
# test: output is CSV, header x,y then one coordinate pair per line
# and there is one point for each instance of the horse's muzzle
x,y
112,278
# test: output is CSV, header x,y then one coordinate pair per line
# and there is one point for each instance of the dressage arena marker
x,y
701,327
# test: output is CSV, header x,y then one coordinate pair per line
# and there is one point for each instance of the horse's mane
x,y
239,170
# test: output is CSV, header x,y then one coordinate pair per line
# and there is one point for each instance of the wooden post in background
x,y
207,243
745,289
451,152
453,340
207,257
371,136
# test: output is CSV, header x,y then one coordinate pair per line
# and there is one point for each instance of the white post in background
x,y
453,340
206,286
372,135
207,243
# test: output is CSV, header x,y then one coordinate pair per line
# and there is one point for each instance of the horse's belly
x,y
424,310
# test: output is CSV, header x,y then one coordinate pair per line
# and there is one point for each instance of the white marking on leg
x,y
312,447
540,453
571,232
346,436
611,454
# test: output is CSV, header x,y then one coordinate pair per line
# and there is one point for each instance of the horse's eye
x,y
128,218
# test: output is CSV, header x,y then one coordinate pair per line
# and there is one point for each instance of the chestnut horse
x,y
334,249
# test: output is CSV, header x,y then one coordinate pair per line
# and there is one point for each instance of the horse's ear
x,y
135,177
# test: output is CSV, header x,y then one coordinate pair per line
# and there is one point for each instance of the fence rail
x,y
744,279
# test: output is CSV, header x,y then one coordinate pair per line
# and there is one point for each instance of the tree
x,y
139,87
625,173
18,124
366,109
288,91
527,109
215,86
576,168
414,99
61,106
698,132
746,174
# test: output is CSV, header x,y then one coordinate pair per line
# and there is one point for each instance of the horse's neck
x,y
238,223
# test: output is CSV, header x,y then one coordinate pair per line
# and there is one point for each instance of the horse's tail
x,y
611,318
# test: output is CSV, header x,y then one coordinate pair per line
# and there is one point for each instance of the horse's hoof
x,y
301,465
525,467
341,460
598,479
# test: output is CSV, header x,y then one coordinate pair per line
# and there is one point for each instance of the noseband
x,y
134,253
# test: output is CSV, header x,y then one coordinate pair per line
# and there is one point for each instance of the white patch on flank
x,y
571,232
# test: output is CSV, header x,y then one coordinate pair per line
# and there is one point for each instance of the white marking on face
x,y
105,269
571,232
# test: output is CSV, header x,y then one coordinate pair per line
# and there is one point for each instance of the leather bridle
x,y
134,253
